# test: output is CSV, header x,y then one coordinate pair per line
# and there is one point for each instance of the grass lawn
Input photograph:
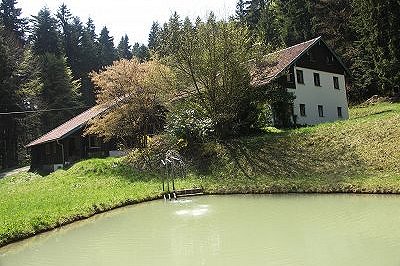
x,y
359,155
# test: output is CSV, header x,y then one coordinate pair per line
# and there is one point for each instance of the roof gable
x,y
279,61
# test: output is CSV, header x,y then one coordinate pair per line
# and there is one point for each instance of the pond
x,y
226,230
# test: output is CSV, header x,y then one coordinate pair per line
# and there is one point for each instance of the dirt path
x,y
14,171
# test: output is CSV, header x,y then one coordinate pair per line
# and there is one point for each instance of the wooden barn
x,y
67,144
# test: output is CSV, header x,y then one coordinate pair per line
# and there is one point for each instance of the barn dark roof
x,y
68,127
279,61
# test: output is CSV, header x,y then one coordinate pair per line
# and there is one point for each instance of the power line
x,y
44,111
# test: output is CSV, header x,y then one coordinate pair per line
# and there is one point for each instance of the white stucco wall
x,y
325,95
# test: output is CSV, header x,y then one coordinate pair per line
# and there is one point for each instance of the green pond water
x,y
226,230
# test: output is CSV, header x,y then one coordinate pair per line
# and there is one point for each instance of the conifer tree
x,y
331,19
45,37
141,52
377,65
295,19
106,48
11,18
124,49
240,11
154,37
89,61
29,91
71,34
253,11
20,86
60,90
268,29
9,54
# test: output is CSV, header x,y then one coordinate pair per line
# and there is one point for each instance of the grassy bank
x,y
359,155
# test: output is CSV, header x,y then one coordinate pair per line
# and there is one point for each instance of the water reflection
x,y
197,211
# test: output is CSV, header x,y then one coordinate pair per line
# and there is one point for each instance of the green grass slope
x,y
358,155
368,143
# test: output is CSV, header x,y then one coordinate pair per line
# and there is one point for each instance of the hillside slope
x,y
368,143
359,155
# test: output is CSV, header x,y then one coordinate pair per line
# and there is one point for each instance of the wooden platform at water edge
x,y
184,193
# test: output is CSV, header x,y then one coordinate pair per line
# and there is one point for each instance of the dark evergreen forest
x,y
45,60
45,63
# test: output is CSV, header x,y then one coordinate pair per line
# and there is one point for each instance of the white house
x,y
316,76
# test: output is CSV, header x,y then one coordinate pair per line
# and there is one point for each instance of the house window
x,y
339,112
317,80
320,111
94,142
336,83
300,76
329,60
302,109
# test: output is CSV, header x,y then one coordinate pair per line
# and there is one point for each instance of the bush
x,y
149,158
188,121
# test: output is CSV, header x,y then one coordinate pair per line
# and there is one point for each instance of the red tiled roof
x,y
68,127
277,62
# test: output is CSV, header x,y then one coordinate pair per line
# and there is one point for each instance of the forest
x,y
46,60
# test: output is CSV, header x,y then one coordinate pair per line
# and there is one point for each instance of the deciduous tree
x,y
211,61
135,95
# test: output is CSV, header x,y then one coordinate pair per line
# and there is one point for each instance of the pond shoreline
x,y
129,202
357,156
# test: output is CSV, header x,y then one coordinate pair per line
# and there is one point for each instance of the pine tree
x,y
331,19
141,52
59,90
20,86
89,44
240,11
154,37
29,91
171,35
45,37
124,49
106,48
10,16
10,53
71,34
89,61
253,10
268,28
376,68
295,19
